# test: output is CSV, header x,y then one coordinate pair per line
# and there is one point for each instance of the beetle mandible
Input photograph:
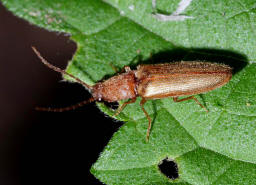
x,y
153,81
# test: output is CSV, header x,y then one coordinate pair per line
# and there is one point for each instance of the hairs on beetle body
x,y
152,81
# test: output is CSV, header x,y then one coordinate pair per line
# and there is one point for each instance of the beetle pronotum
x,y
153,81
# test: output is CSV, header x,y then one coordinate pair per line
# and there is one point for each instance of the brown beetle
x,y
153,82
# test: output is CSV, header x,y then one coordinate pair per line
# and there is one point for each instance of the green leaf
x,y
209,148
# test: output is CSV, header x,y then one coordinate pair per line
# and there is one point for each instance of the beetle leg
x,y
142,102
120,108
127,68
175,99
124,69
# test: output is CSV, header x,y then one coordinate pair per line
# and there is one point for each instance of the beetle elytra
x,y
153,81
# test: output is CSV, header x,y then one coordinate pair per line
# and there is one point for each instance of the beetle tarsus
x,y
175,99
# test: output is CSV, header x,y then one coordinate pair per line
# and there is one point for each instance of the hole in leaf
x,y
169,168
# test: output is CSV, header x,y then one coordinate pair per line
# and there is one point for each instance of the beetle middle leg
x,y
142,102
175,99
120,108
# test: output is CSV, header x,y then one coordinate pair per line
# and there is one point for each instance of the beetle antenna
x,y
72,107
58,69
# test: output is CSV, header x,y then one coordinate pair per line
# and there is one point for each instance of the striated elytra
x,y
153,81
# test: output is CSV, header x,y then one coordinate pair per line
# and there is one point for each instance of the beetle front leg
x,y
175,99
120,108
142,102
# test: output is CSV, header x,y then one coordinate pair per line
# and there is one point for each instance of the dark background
x,y
44,147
